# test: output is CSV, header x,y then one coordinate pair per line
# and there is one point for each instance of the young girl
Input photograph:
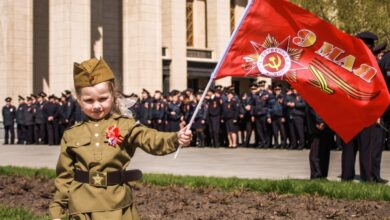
x,y
92,182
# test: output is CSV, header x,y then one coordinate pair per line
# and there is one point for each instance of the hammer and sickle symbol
x,y
272,64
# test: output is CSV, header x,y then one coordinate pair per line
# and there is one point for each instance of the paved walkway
x,y
221,162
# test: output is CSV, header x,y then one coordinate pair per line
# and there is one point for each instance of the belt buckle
x,y
98,179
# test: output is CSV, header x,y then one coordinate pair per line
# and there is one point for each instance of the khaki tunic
x,y
84,147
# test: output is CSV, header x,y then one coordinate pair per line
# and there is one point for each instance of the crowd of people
x,y
265,116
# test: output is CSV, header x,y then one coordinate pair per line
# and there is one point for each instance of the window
x,y
190,23
232,15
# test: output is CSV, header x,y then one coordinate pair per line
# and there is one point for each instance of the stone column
x,y
174,38
218,30
70,37
106,34
15,48
142,45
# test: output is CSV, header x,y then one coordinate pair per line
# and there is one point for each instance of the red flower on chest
x,y
113,136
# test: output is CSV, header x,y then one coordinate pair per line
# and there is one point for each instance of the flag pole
x,y
188,127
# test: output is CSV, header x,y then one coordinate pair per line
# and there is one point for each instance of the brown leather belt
x,y
107,178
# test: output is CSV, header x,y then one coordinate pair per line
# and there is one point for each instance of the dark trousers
x,y
348,157
21,132
387,134
320,153
173,126
369,143
9,133
278,126
199,137
296,128
40,133
262,132
52,133
61,129
370,140
158,126
248,131
29,134
214,124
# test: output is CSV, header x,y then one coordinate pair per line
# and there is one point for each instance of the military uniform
x,y
230,112
174,115
261,112
40,121
296,120
9,115
369,141
92,180
158,115
84,147
214,119
145,116
52,112
278,120
20,122
29,122
246,119
321,144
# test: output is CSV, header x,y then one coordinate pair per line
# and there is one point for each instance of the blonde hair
x,y
114,90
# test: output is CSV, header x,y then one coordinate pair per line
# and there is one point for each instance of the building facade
x,y
157,45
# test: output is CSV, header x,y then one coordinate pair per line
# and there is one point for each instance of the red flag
x,y
334,72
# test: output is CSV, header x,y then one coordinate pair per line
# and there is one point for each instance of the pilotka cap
x,y
91,72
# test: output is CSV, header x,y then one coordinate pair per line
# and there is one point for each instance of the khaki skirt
x,y
128,213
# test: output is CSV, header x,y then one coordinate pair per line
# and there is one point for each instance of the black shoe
x,y
5,143
382,181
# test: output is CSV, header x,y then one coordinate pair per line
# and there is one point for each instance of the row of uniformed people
x,y
264,112
39,120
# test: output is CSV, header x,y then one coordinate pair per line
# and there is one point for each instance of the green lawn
x,y
18,214
331,189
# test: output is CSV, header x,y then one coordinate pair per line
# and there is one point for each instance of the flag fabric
x,y
335,73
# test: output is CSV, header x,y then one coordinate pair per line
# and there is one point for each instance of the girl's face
x,y
96,101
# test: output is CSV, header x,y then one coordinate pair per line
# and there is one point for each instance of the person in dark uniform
x,y
230,112
29,121
246,119
158,112
79,115
146,109
384,64
9,115
368,142
174,113
135,109
260,114
40,120
63,121
295,108
278,120
199,124
70,103
52,111
20,121
214,117
321,144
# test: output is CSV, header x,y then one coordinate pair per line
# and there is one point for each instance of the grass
x,y
331,189
7,213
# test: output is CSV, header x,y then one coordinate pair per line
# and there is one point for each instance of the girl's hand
x,y
184,137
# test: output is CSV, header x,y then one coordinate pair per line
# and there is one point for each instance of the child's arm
x,y
59,206
158,143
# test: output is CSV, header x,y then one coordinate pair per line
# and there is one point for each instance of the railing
x,y
199,53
